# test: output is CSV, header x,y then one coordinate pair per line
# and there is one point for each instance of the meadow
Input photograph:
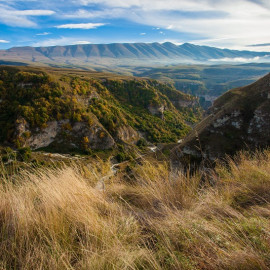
x,y
142,217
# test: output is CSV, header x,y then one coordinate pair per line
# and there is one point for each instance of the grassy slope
x,y
57,219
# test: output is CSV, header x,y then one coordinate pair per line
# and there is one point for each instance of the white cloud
x,y
169,27
4,41
33,12
142,34
82,42
43,34
242,60
19,18
149,5
230,24
80,25
92,14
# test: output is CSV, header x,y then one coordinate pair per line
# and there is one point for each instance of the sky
x,y
234,24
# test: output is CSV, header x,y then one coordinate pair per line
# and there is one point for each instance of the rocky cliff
x,y
240,119
70,135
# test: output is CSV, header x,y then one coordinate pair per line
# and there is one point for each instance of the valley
x,y
134,135
63,110
202,71
93,160
207,82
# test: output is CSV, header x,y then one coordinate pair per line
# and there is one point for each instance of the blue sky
x,y
233,24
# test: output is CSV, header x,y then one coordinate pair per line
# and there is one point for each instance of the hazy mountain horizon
x,y
126,53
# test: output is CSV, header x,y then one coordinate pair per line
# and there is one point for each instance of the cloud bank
x,y
80,26
20,18
222,23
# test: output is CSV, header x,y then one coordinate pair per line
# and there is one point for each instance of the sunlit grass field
x,y
144,218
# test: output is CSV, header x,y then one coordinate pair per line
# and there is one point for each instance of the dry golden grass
x,y
56,219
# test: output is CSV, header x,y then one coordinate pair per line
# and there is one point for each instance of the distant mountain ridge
x,y
167,52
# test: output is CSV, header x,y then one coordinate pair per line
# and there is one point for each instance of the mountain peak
x,y
188,45
168,43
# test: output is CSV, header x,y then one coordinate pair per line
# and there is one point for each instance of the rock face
x,y
259,127
44,137
157,110
184,103
97,136
76,135
240,119
127,134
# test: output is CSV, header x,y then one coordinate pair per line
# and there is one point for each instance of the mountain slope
x,y
206,81
68,110
90,53
240,119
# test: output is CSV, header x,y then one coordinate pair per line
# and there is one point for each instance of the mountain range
x,y
126,54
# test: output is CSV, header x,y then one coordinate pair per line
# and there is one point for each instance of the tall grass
x,y
148,219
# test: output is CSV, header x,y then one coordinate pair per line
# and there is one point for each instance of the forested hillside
x,y
206,81
80,110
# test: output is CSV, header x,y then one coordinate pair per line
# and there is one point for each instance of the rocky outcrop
x,y
97,136
21,126
240,119
259,126
157,110
86,100
127,134
44,137
71,135
184,103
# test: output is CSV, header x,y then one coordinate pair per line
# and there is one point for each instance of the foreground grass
x,y
147,219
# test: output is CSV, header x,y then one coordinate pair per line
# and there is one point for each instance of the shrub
x,y
120,157
24,154
141,142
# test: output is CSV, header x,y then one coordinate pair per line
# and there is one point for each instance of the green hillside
x,y
211,80
89,110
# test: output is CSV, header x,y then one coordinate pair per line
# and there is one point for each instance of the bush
x,y
7,154
141,143
24,154
120,157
